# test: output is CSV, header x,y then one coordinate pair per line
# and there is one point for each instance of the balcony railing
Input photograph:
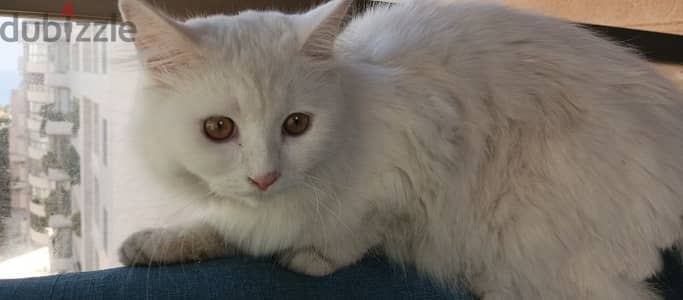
x,y
59,128
37,209
57,79
33,124
41,182
41,238
57,175
36,152
19,185
38,97
36,67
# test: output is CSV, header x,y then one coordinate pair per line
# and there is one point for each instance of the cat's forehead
x,y
250,32
254,71
242,91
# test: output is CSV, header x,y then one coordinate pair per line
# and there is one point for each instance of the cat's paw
x,y
308,261
172,245
141,248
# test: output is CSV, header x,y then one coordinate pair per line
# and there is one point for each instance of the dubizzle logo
x,y
70,29
68,10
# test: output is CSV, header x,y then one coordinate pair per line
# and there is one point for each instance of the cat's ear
x,y
164,44
320,27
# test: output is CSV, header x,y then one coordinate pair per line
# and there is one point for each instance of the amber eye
x,y
219,128
296,124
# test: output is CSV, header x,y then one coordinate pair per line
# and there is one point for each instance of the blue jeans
x,y
231,278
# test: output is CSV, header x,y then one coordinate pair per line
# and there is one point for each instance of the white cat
x,y
524,154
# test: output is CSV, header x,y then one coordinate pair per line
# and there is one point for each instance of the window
x,y
96,259
37,81
61,97
35,108
104,59
66,147
105,232
96,128
63,100
35,87
104,141
87,56
61,57
96,57
37,53
75,57
96,202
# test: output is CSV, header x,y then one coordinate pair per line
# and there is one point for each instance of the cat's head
x,y
245,106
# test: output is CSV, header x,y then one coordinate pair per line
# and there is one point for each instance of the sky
x,y
9,57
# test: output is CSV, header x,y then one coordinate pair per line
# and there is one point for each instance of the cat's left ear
x,y
164,43
320,27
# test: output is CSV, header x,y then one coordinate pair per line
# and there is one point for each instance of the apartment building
x,y
20,190
113,198
75,186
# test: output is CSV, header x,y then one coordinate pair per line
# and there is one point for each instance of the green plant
x,y
5,179
58,203
50,161
49,113
38,224
76,223
70,162
73,116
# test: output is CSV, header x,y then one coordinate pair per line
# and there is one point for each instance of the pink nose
x,y
265,181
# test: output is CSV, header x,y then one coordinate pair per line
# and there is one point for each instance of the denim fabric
x,y
231,278
244,278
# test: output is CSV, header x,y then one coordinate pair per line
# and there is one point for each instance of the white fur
x,y
520,152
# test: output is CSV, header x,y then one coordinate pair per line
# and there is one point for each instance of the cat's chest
x,y
259,232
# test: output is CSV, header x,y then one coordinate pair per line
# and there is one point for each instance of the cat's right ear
x,y
320,27
164,44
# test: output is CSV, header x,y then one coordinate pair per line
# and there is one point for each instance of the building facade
x,y
75,188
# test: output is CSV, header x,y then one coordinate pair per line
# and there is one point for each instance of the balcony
x,y
41,182
38,96
19,185
40,238
18,157
57,175
50,181
61,265
37,209
76,143
59,221
55,128
33,124
32,67
57,79
36,153
75,204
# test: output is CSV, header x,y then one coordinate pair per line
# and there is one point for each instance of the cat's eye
x,y
219,128
296,124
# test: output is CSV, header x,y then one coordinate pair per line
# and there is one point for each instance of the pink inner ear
x,y
320,44
162,42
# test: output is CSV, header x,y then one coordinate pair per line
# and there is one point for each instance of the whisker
x,y
332,212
